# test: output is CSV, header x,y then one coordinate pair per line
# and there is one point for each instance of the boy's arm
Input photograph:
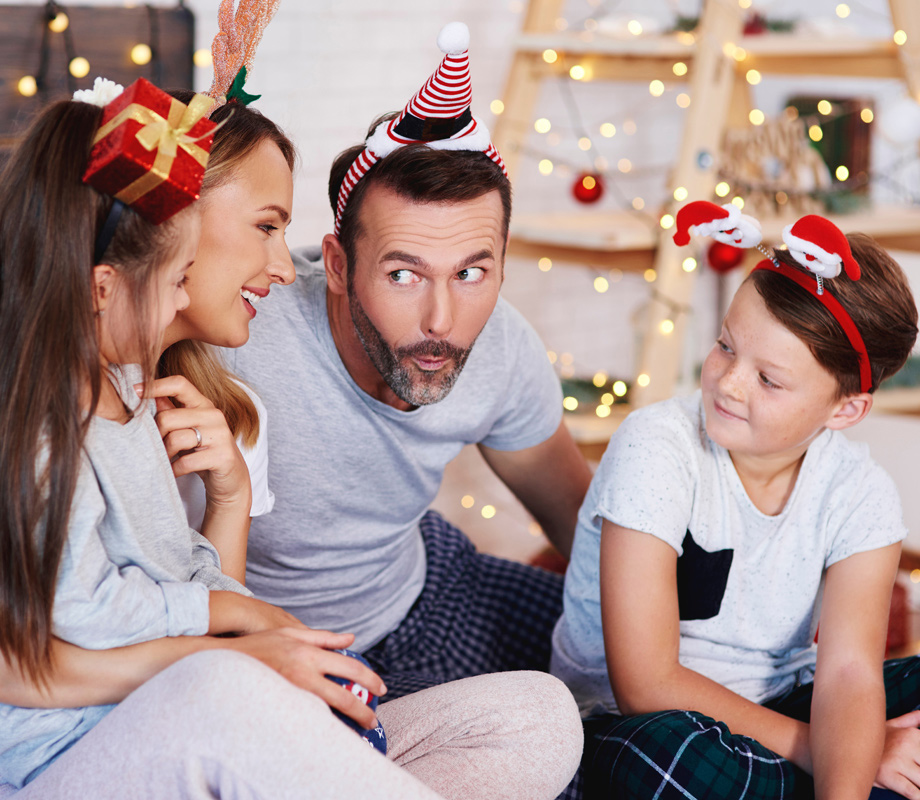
x,y
848,728
550,479
641,623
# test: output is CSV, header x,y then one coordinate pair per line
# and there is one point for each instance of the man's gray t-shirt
x,y
352,476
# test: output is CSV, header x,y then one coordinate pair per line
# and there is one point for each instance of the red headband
x,y
831,303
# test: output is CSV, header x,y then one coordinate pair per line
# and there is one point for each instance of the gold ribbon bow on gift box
x,y
163,134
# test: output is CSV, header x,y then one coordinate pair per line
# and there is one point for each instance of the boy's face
x,y
764,393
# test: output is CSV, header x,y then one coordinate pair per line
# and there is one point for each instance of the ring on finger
x,y
197,436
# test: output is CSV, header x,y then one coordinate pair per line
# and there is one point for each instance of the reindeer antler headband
x,y
234,47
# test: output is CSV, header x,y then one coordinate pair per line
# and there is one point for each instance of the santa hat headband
x,y
833,305
438,115
725,223
814,242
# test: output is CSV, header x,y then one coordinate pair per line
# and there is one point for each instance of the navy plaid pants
x,y
684,754
476,614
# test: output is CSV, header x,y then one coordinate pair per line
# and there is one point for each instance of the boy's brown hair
x,y
880,304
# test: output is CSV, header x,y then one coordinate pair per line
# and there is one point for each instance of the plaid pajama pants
x,y
476,614
684,754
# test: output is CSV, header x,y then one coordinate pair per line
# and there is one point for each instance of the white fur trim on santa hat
x,y
454,38
745,233
828,265
381,144
719,224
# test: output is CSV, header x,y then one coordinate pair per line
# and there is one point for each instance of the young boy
x,y
720,527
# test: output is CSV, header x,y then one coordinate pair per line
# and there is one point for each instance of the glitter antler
x,y
234,46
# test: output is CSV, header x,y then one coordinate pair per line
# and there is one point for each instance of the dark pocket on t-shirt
x,y
701,580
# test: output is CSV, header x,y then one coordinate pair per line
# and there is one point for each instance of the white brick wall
x,y
325,68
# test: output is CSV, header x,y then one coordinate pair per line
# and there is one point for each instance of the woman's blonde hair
x,y
242,131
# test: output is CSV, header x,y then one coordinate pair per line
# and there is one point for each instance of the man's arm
x,y
550,479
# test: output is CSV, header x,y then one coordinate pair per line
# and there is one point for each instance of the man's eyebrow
x,y
277,209
405,258
417,261
483,255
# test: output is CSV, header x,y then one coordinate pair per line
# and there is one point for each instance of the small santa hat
x,y
820,246
703,218
438,115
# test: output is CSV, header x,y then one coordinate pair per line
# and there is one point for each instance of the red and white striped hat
x,y
438,115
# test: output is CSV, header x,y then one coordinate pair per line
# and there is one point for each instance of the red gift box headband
x,y
162,136
813,241
438,115
232,51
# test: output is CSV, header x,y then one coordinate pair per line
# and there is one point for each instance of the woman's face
x,y
241,253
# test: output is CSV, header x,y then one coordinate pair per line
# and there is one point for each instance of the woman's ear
x,y
336,264
104,280
849,411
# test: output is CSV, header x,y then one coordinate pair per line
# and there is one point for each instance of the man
x,y
376,369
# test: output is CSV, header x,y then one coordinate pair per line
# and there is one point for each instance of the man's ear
x,y
850,410
105,278
336,264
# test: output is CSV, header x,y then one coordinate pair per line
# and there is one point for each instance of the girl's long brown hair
x,y
243,130
50,369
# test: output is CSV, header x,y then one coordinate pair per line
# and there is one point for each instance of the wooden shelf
x,y
648,57
721,100
897,401
628,241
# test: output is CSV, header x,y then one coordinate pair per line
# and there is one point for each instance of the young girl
x,y
717,531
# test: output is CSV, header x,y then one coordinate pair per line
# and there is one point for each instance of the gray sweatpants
x,y
222,725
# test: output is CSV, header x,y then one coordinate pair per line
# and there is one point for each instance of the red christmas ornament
x,y
588,188
723,257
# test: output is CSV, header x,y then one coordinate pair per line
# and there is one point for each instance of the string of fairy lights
x,y
57,31
592,168
588,163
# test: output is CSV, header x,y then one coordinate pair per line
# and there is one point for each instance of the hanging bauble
x,y
588,188
723,257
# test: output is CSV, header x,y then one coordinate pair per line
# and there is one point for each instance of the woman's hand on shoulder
x,y
899,769
305,657
181,410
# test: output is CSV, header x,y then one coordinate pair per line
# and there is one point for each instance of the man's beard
x,y
410,384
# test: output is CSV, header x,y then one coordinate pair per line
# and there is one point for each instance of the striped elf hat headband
x,y
438,115
814,242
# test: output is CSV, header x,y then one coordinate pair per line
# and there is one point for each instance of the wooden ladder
x,y
720,98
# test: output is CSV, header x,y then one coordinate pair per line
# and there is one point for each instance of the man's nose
x,y
438,319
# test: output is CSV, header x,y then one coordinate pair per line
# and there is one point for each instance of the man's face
x,y
425,280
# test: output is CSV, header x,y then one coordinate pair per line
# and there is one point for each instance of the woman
x,y
480,736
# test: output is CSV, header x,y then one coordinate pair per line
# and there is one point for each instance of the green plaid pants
x,y
684,754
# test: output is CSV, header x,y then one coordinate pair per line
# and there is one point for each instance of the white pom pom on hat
x,y
454,38
438,116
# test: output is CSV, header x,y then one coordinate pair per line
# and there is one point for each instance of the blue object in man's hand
x,y
375,737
